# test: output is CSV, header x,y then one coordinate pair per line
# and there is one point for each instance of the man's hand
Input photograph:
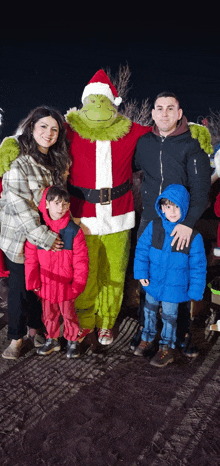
x,y
144,281
182,234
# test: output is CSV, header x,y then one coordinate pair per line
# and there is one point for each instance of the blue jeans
x,y
169,319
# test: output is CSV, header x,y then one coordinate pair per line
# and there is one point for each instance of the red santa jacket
x,y
61,275
104,164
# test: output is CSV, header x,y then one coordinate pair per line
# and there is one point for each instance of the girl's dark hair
x,y
57,158
57,191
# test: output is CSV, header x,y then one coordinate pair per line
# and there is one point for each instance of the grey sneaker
x,y
164,356
50,345
72,349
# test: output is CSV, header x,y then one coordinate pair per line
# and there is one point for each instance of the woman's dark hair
x,y
57,158
57,191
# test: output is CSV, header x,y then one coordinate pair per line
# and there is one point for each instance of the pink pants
x,y
51,319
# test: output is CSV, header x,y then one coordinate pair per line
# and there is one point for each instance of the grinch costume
x,y
102,145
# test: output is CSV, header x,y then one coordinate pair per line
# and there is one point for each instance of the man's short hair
x,y
167,94
57,191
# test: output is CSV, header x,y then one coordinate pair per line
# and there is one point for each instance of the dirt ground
x,y
109,407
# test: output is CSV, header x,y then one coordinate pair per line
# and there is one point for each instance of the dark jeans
x,y
24,308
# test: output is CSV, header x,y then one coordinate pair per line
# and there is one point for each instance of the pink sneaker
x,y
105,336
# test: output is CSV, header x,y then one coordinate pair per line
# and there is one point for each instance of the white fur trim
x,y
101,89
103,164
98,88
110,224
103,179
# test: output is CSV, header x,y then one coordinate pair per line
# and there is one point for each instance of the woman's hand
x,y
57,245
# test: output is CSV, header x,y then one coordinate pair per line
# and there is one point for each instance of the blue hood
x,y
179,195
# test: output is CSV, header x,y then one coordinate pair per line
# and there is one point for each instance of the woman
x,y
42,160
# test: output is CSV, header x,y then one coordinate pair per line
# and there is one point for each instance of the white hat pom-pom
x,y
117,101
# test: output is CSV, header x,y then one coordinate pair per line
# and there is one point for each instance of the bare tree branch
x,y
130,109
213,124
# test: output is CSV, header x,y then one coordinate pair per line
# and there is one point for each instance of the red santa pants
x,y
51,319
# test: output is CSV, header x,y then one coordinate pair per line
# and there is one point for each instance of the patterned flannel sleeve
x,y
20,204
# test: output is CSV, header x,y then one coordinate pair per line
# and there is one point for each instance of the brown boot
x,y
143,347
164,356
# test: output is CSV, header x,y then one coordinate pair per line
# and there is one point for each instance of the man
x,y
170,155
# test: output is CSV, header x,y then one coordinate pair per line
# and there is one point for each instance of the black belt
x,y
101,196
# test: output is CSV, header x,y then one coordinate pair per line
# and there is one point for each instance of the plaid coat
x,y
23,187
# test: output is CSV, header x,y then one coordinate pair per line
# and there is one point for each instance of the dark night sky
x,y
50,61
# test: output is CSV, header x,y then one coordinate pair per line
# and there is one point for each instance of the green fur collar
x,y
117,130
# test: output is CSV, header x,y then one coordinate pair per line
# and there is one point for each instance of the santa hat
x,y
101,84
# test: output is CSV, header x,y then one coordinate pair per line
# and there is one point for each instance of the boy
x,y
170,276
59,277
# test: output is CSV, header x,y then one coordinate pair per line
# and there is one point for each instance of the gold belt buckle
x,y
103,196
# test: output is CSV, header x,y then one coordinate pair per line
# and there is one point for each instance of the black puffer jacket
x,y
177,159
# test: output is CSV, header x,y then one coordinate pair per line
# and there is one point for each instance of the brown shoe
x,y
12,351
143,347
164,356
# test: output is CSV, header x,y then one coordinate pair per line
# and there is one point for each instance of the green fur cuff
x,y
203,135
9,151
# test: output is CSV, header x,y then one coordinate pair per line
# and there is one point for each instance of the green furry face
x,y
98,112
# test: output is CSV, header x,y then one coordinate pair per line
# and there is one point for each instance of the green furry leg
x,y
85,303
101,300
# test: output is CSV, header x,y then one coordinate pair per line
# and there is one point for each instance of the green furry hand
x,y
9,150
203,135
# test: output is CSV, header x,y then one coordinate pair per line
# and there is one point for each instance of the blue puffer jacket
x,y
175,276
